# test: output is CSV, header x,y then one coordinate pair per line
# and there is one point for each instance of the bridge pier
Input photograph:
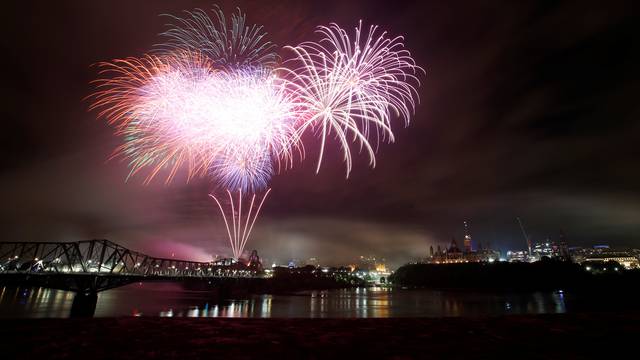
x,y
84,304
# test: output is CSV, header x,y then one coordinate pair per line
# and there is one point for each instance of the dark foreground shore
x,y
573,336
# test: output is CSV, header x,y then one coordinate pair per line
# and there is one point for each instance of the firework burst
x,y
351,89
181,110
129,96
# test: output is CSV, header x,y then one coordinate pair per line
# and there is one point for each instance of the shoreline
x,y
579,335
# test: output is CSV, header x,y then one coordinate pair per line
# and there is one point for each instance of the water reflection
x,y
171,300
361,302
34,302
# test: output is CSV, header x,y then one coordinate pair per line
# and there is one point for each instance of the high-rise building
x,y
467,238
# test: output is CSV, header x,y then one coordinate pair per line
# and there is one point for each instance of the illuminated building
x,y
483,255
453,254
518,256
548,249
602,253
373,270
381,268
580,254
622,258
450,255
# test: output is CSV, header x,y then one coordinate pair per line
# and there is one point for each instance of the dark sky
x,y
528,108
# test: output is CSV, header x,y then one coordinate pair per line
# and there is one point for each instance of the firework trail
x,y
350,87
240,230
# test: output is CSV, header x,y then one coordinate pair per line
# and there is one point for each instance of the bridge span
x,y
87,267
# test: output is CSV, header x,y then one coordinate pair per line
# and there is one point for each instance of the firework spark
x,y
352,87
233,44
130,97
249,169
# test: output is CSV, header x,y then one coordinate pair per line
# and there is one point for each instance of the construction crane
x,y
526,237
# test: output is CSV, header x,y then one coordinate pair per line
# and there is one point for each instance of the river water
x,y
170,299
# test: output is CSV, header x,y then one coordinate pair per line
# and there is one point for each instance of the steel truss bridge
x,y
95,265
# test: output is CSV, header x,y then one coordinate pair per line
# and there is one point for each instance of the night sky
x,y
527,109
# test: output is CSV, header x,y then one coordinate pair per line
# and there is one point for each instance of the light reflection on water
x,y
171,300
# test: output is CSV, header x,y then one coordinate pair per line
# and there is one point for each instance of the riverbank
x,y
544,275
565,336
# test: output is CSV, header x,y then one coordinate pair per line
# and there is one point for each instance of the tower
x,y
467,238
453,247
254,261
563,247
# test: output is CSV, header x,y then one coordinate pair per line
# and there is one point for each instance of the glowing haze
x,y
212,101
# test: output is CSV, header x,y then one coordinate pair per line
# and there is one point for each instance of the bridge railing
x,y
101,257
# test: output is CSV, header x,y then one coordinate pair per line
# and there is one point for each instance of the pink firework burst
x,y
351,87
181,110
